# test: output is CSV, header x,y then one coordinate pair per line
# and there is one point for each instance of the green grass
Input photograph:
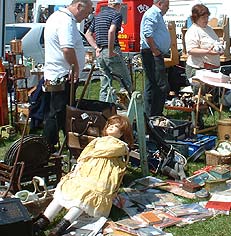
x,y
217,226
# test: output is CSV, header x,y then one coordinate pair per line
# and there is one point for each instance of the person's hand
x,y
156,53
211,51
112,54
97,52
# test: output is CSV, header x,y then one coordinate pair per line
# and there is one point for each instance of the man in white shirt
x,y
63,48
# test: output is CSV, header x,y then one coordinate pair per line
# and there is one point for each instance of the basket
x,y
37,201
213,159
35,207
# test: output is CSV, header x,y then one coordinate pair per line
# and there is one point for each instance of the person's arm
x,y
154,49
202,52
111,40
91,40
70,57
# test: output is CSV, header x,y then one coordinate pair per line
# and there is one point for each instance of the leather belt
x,y
146,50
103,47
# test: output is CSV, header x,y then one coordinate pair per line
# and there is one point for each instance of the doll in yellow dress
x,y
94,182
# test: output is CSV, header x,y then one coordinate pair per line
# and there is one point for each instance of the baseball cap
x,y
114,1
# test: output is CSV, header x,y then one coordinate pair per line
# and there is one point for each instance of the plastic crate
x,y
190,145
180,146
182,129
206,141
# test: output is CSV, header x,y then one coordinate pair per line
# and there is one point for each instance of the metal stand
x,y
136,112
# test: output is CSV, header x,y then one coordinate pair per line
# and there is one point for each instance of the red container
x,y
132,12
4,119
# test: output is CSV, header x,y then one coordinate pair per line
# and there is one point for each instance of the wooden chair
x,y
174,56
213,22
9,175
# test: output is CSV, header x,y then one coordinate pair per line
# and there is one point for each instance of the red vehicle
x,y
132,12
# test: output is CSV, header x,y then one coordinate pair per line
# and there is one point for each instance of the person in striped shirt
x,y
103,36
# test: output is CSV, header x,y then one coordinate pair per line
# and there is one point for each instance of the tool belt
x,y
54,87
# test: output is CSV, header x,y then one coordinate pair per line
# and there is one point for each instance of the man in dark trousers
x,y
103,36
63,48
154,43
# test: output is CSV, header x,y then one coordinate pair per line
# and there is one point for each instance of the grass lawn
x,y
218,226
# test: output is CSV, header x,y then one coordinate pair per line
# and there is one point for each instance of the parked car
x,y
32,36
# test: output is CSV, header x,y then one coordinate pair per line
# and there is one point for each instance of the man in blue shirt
x,y
154,43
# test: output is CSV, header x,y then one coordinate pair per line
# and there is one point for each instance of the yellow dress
x,y
96,178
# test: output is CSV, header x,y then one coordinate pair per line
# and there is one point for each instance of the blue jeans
x,y
156,83
115,65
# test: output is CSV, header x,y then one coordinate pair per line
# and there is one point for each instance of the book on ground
x,y
130,223
220,201
149,231
166,199
149,217
166,219
186,209
90,225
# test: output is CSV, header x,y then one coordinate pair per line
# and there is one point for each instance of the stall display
x,y
19,92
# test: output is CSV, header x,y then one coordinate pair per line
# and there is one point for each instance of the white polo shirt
x,y
61,32
197,37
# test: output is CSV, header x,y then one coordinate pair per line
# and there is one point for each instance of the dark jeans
x,y
55,114
156,83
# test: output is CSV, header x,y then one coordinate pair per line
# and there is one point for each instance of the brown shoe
x,y
60,228
40,224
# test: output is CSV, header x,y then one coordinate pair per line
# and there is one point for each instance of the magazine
x,y
149,231
122,201
149,181
166,199
166,219
130,223
90,225
220,201
201,178
132,211
143,198
186,209
189,219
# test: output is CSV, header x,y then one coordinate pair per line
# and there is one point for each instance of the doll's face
x,y
114,130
